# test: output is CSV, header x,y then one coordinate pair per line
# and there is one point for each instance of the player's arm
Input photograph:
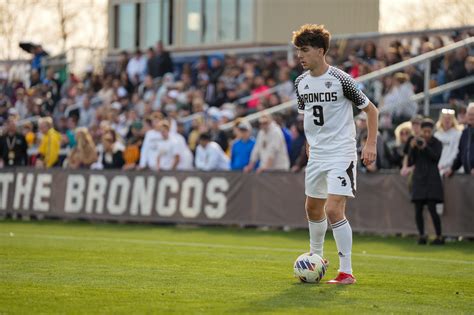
x,y
354,94
369,152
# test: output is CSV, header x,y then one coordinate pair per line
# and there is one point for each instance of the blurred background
x,y
121,67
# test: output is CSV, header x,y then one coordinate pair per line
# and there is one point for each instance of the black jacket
x,y
17,144
113,161
465,155
427,184
160,64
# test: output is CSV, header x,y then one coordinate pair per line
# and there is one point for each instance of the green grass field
x,y
56,267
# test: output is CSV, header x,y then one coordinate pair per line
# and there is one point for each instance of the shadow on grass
x,y
299,297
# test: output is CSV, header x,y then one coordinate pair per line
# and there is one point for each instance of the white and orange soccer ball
x,y
309,268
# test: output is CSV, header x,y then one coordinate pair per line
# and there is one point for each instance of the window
x,y
210,21
193,22
227,20
245,29
126,26
167,22
156,22
152,25
214,21
116,27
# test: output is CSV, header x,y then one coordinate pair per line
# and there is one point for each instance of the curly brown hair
x,y
313,35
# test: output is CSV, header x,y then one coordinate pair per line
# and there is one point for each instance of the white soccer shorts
x,y
335,178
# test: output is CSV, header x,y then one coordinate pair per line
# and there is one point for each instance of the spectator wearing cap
x,y
242,147
270,148
448,132
465,156
427,188
50,144
209,155
13,146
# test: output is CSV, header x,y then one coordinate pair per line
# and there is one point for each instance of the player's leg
x,y
341,229
341,184
317,223
316,193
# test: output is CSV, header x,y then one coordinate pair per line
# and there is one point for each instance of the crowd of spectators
x,y
150,113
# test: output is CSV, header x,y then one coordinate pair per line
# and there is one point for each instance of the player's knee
x,y
335,210
314,211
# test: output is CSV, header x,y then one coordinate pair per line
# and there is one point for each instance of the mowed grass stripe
x,y
221,246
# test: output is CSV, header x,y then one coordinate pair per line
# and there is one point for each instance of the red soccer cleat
x,y
342,278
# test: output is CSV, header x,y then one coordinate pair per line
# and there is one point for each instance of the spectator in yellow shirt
x,y
50,143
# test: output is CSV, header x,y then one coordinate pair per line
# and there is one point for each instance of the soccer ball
x,y
309,268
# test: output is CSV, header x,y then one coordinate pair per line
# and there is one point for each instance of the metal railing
x,y
416,98
425,95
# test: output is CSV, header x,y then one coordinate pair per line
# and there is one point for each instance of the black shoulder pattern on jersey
x,y
349,87
299,99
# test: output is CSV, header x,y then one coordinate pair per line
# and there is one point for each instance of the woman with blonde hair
x,y
448,131
84,154
403,132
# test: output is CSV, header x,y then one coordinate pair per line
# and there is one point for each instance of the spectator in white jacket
x,y
448,132
168,154
149,151
186,157
210,156
397,103
136,68
270,148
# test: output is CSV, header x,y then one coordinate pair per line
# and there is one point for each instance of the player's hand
x,y
260,170
369,154
247,169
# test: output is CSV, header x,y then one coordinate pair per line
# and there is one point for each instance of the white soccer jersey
x,y
326,102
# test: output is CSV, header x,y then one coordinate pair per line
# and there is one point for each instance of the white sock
x,y
343,235
317,232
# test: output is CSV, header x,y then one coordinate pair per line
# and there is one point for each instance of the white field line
x,y
221,246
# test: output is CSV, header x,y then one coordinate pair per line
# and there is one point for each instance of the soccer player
x,y
325,96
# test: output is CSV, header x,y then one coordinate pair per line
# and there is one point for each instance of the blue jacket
x,y
240,154
465,155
